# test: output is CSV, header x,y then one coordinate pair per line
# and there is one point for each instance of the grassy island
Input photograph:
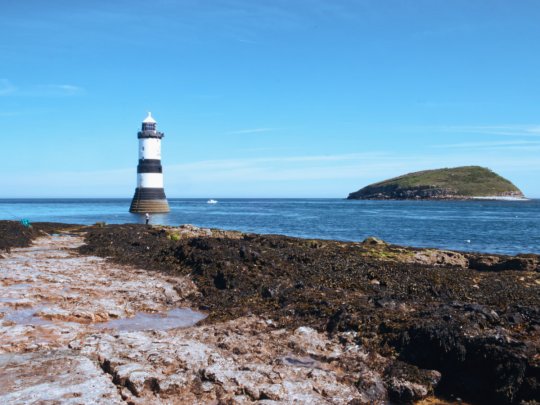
x,y
449,183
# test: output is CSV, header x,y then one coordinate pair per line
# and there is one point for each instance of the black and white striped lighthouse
x,y
149,194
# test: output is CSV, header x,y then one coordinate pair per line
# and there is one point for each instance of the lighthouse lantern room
x,y
149,194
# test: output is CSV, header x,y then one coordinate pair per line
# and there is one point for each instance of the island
x,y
458,183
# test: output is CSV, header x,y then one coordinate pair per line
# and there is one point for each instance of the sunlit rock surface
x,y
51,296
57,377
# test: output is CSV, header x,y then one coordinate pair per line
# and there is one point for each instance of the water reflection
x,y
175,318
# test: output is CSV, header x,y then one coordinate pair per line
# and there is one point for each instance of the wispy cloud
x,y
488,144
59,89
39,90
250,131
504,130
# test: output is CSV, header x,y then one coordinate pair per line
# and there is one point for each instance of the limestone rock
x,y
441,258
54,377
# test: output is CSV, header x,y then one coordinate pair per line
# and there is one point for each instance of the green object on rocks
x,y
26,223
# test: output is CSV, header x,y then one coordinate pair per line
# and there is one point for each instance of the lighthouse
x,y
149,194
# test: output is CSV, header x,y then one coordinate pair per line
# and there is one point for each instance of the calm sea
x,y
509,227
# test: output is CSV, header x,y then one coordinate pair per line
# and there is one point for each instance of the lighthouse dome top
x,y
149,119
148,128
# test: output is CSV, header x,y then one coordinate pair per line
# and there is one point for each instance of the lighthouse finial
x,y
149,119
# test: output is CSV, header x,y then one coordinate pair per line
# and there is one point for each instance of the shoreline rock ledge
x,y
458,183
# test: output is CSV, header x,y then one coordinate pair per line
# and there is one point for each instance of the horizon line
x,y
242,198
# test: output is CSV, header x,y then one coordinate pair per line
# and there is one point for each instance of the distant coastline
x,y
502,198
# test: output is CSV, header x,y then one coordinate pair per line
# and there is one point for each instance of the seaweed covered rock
x,y
479,329
478,358
500,262
14,234
406,383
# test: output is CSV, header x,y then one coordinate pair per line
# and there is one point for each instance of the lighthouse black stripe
x,y
150,134
149,166
150,162
149,170
149,194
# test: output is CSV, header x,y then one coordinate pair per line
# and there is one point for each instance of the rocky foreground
x,y
286,320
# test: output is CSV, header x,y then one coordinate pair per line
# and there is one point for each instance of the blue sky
x,y
265,98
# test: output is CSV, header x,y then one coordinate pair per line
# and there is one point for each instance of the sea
x,y
505,227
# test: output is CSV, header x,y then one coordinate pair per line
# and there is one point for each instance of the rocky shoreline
x,y
14,235
326,321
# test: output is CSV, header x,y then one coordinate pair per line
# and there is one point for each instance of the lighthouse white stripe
x,y
149,148
150,180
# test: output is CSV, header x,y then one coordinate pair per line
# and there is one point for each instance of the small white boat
x,y
212,201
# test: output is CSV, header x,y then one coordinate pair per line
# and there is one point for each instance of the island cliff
x,y
464,182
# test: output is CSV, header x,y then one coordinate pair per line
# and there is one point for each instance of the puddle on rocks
x,y
300,361
175,318
9,299
26,316
19,286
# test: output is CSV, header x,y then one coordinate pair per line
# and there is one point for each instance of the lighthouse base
x,y
151,200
